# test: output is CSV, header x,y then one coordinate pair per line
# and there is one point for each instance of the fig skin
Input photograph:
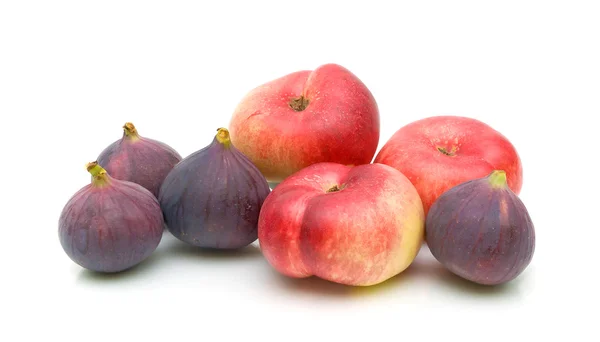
x,y
138,159
110,225
212,198
481,231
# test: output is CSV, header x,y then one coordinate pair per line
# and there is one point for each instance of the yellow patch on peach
x,y
410,217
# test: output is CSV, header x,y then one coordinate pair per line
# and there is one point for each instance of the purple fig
x,y
110,225
138,159
213,197
481,231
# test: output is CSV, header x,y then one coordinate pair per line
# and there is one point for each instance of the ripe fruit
x,y
352,225
110,225
306,117
138,159
440,152
481,231
212,198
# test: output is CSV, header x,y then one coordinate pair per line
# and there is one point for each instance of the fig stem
x,y
497,179
99,175
130,131
223,136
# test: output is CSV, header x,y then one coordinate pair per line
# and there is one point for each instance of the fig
x,y
481,231
212,198
139,159
110,225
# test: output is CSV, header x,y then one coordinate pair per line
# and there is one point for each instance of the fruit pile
x,y
333,209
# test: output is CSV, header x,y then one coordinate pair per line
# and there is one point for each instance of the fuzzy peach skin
x,y
356,226
439,152
307,117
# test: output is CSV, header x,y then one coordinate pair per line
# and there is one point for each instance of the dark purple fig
x,y
110,225
481,231
138,159
212,198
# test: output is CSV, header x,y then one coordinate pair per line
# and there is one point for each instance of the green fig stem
x,y
99,174
497,179
130,131
223,136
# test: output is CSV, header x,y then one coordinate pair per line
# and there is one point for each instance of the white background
x,y
72,72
